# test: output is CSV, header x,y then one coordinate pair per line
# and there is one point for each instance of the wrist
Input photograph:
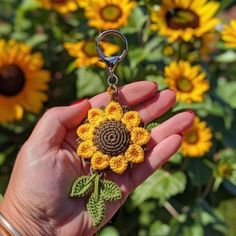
x,y
3,231
20,220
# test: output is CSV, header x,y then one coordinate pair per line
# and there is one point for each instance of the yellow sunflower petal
x,y
85,131
99,161
140,136
86,149
114,111
62,7
131,119
96,116
118,164
135,154
19,112
229,34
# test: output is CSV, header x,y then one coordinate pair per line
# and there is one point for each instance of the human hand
x,y
37,199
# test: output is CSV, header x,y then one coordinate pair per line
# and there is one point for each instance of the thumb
x,y
57,121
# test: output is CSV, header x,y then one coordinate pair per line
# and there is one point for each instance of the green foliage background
x,y
187,196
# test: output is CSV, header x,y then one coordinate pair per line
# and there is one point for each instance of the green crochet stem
x,y
96,186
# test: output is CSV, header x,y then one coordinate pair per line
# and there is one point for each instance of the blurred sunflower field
x,y
48,58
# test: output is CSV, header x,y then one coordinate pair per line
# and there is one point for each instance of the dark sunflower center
x,y
184,84
179,18
112,138
192,137
89,48
111,13
12,80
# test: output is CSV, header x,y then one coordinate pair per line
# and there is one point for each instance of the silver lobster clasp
x,y
112,61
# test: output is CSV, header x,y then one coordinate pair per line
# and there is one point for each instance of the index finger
x,y
128,95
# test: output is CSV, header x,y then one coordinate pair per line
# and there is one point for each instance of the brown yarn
x,y
112,138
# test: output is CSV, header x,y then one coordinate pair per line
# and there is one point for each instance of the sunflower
x,y
22,80
86,54
197,140
108,14
112,138
62,6
229,34
184,19
189,82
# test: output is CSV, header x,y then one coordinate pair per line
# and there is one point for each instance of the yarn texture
x,y
112,138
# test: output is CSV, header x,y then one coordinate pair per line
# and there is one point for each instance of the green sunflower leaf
x,y
110,191
81,186
96,208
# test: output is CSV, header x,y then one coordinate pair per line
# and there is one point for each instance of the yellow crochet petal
x,y
114,111
131,119
99,161
118,164
86,149
140,136
96,116
85,131
135,154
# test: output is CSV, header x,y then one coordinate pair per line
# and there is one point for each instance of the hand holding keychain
x,y
112,138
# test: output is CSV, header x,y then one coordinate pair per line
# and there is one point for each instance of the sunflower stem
x,y
180,54
209,164
171,210
184,164
208,188
179,51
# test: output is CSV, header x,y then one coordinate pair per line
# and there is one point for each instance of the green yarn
x,y
110,191
96,208
152,125
81,186
103,190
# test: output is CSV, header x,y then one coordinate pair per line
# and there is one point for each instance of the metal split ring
x,y
112,80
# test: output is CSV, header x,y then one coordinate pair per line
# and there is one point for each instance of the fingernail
x,y
192,112
77,102
155,83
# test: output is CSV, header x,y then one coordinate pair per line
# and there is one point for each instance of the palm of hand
x,y
48,164
48,180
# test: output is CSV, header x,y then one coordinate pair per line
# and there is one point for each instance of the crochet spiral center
x,y
112,138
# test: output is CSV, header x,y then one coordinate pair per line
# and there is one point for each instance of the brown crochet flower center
x,y
112,138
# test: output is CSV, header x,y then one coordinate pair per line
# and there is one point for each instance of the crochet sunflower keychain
x,y
111,139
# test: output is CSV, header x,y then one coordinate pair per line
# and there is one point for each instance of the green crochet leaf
x,y
81,186
96,208
110,191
